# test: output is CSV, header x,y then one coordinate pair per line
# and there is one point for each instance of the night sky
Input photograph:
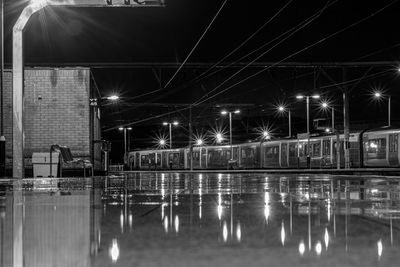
x,y
302,31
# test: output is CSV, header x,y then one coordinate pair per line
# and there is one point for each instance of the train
x,y
369,148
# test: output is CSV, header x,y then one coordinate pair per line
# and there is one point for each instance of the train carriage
x,y
372,148
381,147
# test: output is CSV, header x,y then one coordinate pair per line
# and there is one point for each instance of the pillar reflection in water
x,y
54,228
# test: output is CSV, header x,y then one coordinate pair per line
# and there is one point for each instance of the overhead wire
x,y
195,46
258,72
296,53
304,24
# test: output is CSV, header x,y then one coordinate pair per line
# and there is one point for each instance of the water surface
x,y
157,219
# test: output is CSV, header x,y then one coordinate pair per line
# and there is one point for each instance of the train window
x,y
326,147
391,143
292,150
376,148
316,149
395,143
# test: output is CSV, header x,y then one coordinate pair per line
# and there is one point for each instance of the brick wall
x,y
57,111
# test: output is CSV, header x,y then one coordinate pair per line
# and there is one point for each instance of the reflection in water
x,y
302,248
266,206
318,248
380,248
225,232
326,238
219,207
166,224
238,232
176,222
114,250
121,221
53,229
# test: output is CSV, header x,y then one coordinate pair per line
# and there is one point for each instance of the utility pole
x,y
190,139
346,123
2,137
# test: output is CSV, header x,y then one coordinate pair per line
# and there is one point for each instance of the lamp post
x,y
325,105
124,129
175,123
307,97
379,95
282,109
225,112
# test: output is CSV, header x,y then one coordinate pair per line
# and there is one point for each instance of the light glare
x,y
113,97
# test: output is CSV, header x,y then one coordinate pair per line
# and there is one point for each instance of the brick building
x,y
57,110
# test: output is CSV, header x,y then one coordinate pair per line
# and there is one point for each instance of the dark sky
x,y
106,36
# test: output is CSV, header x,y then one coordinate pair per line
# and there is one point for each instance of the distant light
x,y
218,136
129,128
327,130
224,112
281,108
113,97
237,111
176,223
121,128
377,94
175,123
162,142
199,142
300,96
324,105
398,69
266,134
165,123
315,96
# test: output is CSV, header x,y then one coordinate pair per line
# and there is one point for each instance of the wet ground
x,y
156,219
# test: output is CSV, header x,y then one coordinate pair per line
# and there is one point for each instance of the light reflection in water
x,y
238,232
318,248
219,208
114,250
266,206
329,210
302,248
121,221
326,238
200,193
283,234
225,232
130,221
176,222
166,224
380,248
163,185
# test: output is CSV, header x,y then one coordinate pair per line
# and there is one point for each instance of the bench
x,y
66,155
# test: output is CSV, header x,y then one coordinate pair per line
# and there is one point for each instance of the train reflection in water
x,y
153,217
286,204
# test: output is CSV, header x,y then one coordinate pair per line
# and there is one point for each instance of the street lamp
x,y
283,109
325,106
307,97
94,102
124,129
175,123
379,95
225,112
